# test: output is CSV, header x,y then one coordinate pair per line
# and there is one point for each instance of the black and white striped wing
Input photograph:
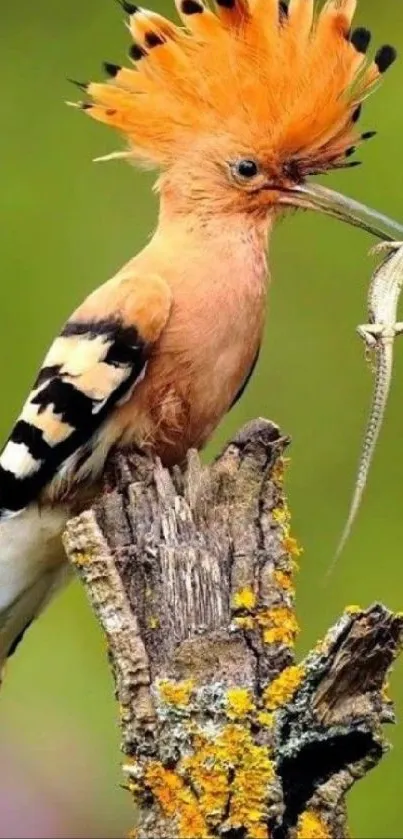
x,y
90,368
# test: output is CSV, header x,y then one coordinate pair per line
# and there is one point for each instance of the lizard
x,y
379,335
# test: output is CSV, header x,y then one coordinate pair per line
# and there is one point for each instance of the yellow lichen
x,y
239,703
249,789
133,787
81,558
176,800
245,598
279,469
385,692
153,623
245,622
282,689
231,776
279,625
176,693
321,647
210,779
311,826
131,766
352,610
265,718
280,514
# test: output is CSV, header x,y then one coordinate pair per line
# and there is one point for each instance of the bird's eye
x,y
246,169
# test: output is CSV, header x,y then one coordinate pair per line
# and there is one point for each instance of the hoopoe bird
x,y
236,107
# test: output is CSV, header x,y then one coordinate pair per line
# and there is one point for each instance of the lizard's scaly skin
x,y
379,335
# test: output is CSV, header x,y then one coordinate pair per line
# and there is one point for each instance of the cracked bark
x,y
189,573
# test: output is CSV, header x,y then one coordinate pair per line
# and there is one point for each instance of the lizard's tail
x,y
379,402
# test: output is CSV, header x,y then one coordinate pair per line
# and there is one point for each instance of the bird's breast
x,y
199,365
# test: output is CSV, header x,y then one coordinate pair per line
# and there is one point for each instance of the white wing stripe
x,y
16,458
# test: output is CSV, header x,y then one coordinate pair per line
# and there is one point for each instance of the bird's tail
x,y
31,570
15,620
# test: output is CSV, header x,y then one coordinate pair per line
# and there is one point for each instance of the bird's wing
x,y
92,367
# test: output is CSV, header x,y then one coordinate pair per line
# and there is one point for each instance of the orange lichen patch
x,y
258,831
231,775
165,785
291,546
239,703
282,689
176,800
191,823
283,580
279,625
310,826
245,598
176,693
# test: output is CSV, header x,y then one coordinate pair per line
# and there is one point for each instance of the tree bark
x,y
190,574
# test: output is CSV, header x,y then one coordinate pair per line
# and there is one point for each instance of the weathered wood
x,y
190,574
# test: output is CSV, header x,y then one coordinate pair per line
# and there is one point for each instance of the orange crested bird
x,y
237,107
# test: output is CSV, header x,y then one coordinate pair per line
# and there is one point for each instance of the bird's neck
x,y
235,243
204,219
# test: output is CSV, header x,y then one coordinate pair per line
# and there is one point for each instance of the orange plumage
x,y
285,84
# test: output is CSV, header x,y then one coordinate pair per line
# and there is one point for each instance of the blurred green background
x,y
66,226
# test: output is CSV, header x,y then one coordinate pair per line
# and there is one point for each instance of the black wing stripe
x,y
126,334
69,404
32,438
47,373
120,353
16,494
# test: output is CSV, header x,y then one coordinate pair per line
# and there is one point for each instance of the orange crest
x,y
271,78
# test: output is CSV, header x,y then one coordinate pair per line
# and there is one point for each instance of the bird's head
x,y
239,106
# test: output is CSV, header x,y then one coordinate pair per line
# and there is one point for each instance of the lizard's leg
x,y
369,332
399,328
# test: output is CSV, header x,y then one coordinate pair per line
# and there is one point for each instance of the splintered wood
x,y
191,576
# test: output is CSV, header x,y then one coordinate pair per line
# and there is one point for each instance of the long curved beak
x,y
324,200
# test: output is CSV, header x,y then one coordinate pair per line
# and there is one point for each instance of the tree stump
x,y
190,574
